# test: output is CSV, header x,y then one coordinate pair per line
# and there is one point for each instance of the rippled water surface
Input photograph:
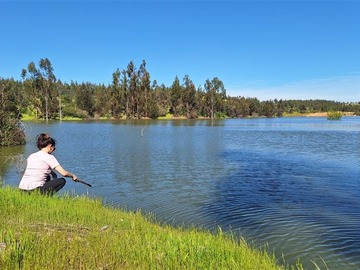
x,y
291,184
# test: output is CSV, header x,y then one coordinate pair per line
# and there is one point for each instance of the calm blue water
x,y
288,184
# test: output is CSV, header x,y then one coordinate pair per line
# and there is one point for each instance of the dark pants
x,y
52,186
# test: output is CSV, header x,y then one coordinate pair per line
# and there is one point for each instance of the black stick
x,y
82,182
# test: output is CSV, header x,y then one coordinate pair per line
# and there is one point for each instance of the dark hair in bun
x,y
43,140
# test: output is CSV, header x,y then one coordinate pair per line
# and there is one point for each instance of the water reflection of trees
x,y
11,156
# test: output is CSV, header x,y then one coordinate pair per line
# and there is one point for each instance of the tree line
x,y
132,95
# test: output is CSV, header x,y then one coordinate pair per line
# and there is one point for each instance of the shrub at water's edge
x,y
11,130
334,115
81,233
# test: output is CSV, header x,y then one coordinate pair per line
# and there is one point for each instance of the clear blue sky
x,y
264,49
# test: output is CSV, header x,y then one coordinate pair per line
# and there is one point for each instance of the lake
x,y
288,184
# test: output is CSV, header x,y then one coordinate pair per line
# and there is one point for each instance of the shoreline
x,y
324,114
316,114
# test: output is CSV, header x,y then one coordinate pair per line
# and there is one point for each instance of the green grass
x,y
27,117
64,232
294,114
170,116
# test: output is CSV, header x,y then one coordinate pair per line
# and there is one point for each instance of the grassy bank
x,y
63,232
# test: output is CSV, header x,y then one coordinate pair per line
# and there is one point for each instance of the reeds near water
x,y
67,232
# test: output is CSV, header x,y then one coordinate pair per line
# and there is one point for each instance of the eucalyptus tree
x,y
202,104
133,84
68,99
42,84
102,95
176,97
216,94
254,106
85,99
144,94
162,97
237,107
244,107
115,95
61,90
125,92
48,80
268,108
211,92
153,101
279,107
189,97
32,91
119,94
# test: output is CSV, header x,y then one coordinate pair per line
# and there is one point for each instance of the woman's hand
x,y
65,173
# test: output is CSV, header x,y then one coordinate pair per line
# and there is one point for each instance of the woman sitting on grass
x,y
39,167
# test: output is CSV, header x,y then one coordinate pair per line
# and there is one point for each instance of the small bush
x,y
332,115
220,115
11,130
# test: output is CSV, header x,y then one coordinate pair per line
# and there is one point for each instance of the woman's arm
x,y
65,173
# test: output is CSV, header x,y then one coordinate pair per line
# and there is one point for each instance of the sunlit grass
x,y
70,118
64,232
294,114
170,116
27,117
